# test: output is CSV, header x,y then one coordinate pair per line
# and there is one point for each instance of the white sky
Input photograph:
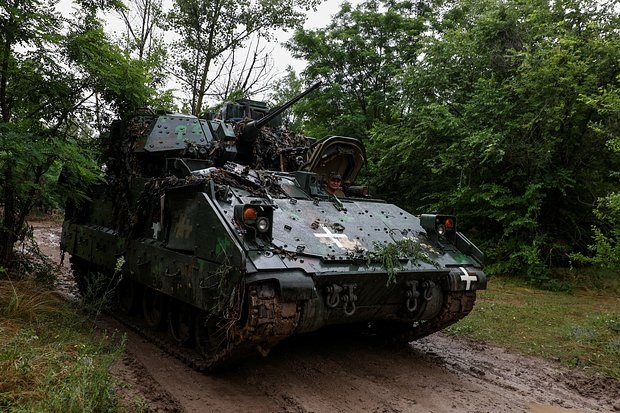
x,y
315,19
281,57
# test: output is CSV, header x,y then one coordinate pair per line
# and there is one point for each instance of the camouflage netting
x,y
275,149
223,178
280,150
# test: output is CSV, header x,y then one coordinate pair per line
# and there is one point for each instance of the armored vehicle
x,y
222,234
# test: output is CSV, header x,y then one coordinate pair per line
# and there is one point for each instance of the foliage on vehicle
x,y
391,253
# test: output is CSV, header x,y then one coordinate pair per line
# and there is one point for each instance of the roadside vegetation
x,y
578,327
51,358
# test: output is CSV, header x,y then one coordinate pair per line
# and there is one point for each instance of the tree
x,y
283,90
143,40
243,73
208,31
496,128
51,88
359,57
606,245
143,21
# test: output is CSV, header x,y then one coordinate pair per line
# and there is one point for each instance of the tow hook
x,y
427,287
333,295
349,299
412,296
344,293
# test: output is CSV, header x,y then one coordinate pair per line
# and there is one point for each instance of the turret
x,y
161,142
248,132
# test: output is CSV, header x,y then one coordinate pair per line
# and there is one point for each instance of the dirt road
x,y
320,373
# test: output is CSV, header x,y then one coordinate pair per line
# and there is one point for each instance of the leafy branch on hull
x,y
391,254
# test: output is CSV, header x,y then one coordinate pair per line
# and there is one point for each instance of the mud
x,y
331,373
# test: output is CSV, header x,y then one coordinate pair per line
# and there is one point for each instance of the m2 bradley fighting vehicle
x,y
223,234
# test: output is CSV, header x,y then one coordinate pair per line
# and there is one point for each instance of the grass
x,y
579,328
50,361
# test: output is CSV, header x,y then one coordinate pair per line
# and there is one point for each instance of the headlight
x,y
442,226
262,224
441,230
254,219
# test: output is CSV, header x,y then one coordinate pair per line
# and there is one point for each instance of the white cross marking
x,y
467,278
332,237
156,228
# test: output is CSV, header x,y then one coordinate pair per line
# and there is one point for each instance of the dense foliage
x,y
502,112
358,56
59,82
606,246
505,113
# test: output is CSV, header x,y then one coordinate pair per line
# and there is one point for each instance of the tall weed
x,y
49,363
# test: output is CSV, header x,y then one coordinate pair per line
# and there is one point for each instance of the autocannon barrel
x,y
250,130
276,111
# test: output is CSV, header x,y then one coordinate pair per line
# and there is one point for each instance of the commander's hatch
x,y
339,154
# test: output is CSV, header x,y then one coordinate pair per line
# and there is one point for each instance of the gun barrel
x,y
276,111
249,134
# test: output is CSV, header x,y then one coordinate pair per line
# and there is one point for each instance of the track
x,y
253,338
267,322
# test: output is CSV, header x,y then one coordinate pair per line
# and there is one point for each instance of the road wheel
x,y
128,295
181,322
153,309
211,335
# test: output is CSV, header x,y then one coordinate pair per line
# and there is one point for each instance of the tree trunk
x,y
8,233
